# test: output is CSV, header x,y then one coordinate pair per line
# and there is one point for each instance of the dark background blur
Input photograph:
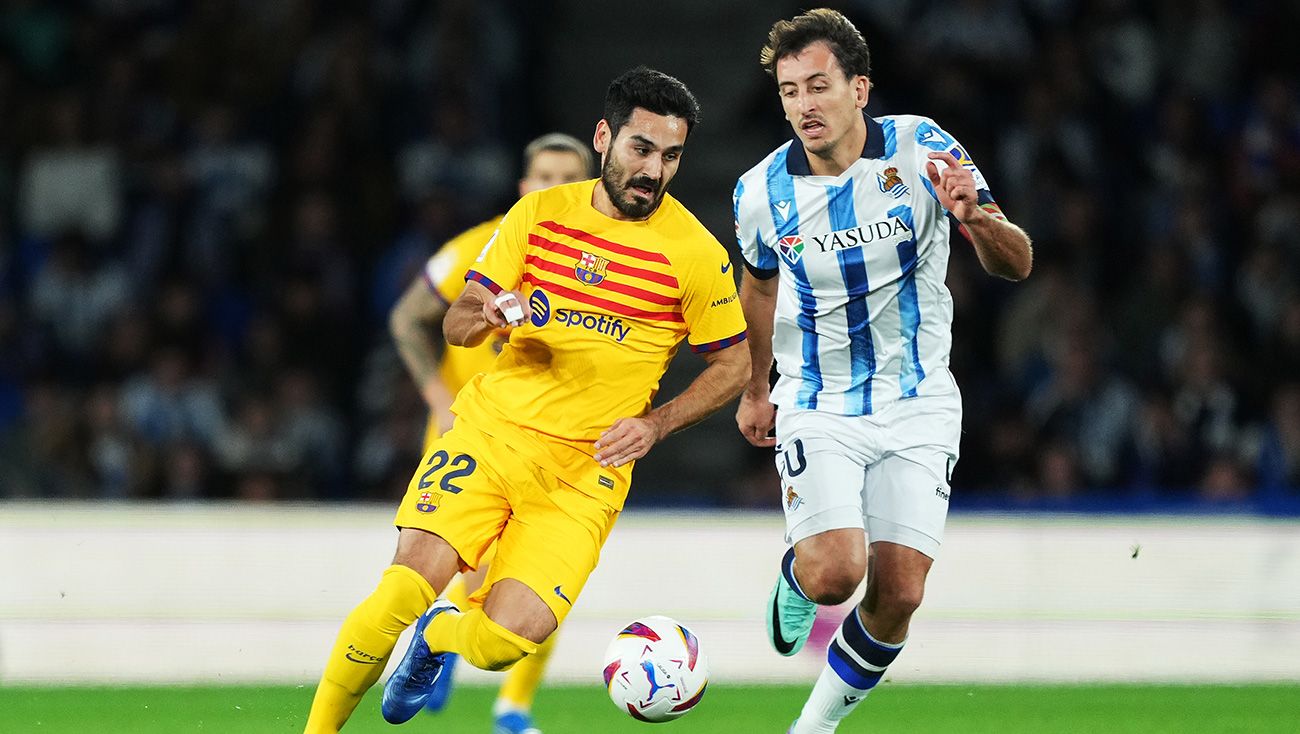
x,y
208,208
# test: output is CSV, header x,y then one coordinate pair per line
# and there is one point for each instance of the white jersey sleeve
x,y
754,226
931,137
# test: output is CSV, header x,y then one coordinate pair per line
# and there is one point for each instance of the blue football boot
x,y
442,687
413,680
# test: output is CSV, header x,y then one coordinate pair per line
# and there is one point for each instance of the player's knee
x,y
899,602
829,584
493,647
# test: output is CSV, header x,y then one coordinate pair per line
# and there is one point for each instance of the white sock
x,y
855,662
826,706
501,707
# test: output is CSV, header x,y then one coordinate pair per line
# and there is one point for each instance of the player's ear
x,y
601,140
862,90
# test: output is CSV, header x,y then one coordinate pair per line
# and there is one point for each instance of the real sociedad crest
x,y
891,183
591,269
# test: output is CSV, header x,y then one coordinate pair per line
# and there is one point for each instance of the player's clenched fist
x,y
507,309
756,417
627,440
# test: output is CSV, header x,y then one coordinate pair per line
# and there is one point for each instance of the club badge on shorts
x,y
792,499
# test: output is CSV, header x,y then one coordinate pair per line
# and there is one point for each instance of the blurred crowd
x,y
1152,150
209,208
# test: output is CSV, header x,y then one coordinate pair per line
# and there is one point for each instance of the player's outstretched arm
x,y
756,416
413,322
631,438
477,313
1003,248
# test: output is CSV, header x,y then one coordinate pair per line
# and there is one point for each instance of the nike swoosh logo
x,y
363,662
562,596
725,268
778,641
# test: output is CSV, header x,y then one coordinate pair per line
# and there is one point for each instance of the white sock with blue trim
x,y
855,662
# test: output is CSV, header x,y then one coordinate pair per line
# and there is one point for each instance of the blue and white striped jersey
x,y
863,317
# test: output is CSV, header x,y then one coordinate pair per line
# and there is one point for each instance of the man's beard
x,y
624,201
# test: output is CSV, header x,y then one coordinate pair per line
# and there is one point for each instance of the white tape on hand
x,y
510,309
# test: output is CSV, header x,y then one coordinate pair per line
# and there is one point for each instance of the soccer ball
x,y
654,669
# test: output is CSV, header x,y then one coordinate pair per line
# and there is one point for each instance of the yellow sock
x,y
482,642
364,645
521,683
457,593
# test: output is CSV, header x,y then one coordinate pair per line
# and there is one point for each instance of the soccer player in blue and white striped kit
x,y
845,234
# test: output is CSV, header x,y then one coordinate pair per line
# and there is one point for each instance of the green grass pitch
x,y
961,709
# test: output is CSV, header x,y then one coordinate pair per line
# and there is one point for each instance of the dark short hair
x,y
789,37
653,91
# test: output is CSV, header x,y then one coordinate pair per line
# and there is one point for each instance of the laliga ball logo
x,y
654,670
541,307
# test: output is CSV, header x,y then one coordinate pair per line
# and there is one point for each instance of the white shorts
x,y
888,473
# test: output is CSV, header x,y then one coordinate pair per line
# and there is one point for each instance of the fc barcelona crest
x,y
428,501
590,269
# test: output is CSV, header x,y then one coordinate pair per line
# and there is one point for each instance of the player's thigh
x,y
906,498
459,492
821,474
552,543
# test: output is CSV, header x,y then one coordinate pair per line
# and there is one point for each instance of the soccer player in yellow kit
x,y
549,160
599,282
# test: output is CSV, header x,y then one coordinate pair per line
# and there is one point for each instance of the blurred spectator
x,y
71,184
313,431
256,453
230,181
1279,458
1280,353
74,297
111,446
1123,51
1264,283
169,404
986,31
1088,410
455,157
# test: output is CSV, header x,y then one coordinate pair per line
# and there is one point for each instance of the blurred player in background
x,y
845,233
416,326
599,282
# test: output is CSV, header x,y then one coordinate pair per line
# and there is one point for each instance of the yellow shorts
x,y
472,490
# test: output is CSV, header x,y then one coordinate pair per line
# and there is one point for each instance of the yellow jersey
x,y
444,273
611,303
